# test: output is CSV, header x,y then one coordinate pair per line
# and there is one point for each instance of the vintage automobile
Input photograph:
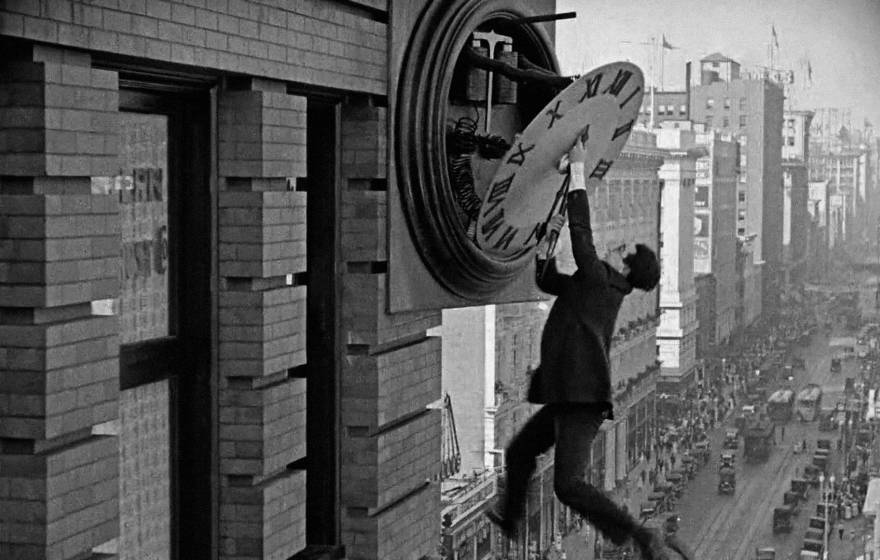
x,y
765,553
827,511
800,486
731,439
816,522
813,545
827,421
671,524
726,480
647,511
811,474
727,460
814,534
823,443
677,479
659,500
782,519
835,365
793,500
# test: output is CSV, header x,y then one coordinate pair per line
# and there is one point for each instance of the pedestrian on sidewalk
x,y
840,531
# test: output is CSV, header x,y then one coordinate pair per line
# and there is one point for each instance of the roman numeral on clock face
x,y
520,156
554,114
497,194
630,96
506,237
601,169
619,82
592,87
621,130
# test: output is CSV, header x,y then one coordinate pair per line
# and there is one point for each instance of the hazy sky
x,y
840,38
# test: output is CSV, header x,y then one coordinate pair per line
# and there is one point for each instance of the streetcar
x,y
780,405
809,401
759,441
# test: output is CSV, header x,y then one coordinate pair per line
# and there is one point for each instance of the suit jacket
x,y
577,336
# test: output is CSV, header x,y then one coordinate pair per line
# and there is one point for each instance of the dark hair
x,y
644,268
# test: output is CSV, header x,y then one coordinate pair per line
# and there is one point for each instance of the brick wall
x,y
390,441
59,251
262,315
314,42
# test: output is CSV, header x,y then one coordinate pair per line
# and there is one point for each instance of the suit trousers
x,y
571,427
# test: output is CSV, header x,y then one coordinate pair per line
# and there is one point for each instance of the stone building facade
x,y
750,108
197,358
676,333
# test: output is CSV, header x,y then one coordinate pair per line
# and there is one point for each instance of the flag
x,y
666,44
775,38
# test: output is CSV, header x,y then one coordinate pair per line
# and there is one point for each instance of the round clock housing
x,y
439,102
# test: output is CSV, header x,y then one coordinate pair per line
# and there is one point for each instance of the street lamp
x,y
849,444
825,512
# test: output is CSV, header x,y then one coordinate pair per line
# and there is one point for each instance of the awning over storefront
x,y
872,498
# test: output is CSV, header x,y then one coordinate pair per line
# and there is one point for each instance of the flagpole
x,y
653,87
662,63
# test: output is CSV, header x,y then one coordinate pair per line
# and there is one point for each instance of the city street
x,y
724,527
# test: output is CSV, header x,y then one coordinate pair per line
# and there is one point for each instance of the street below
x,y
732,527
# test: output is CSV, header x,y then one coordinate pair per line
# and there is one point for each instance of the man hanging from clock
x,y
574,378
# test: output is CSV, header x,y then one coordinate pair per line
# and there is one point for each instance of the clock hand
x,y
561,194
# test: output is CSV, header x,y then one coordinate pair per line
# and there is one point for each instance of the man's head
x,y
643,268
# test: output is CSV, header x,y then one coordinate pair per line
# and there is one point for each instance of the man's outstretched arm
x,y
582,246
547,277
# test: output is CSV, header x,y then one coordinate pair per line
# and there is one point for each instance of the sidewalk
x,y
853,544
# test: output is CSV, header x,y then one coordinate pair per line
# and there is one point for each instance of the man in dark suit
x,y
574,378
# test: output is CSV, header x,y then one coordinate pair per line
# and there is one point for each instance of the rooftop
x,y
716,57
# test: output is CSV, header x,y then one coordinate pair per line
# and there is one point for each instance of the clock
x,y
476,146
600,108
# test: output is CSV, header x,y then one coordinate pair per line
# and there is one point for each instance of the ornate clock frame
x,y
433,56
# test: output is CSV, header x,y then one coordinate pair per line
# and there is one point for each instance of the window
x,y
742,196
161,305
726,122
741,215
714,65
741,231
742,121
742,103
727,103
661,109
789,140
710,103
708,121
683,109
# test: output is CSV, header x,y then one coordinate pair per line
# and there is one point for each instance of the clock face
x,y
601,107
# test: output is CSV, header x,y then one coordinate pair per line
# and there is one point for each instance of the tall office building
x,y
751,108
676,334
715,197
795,176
